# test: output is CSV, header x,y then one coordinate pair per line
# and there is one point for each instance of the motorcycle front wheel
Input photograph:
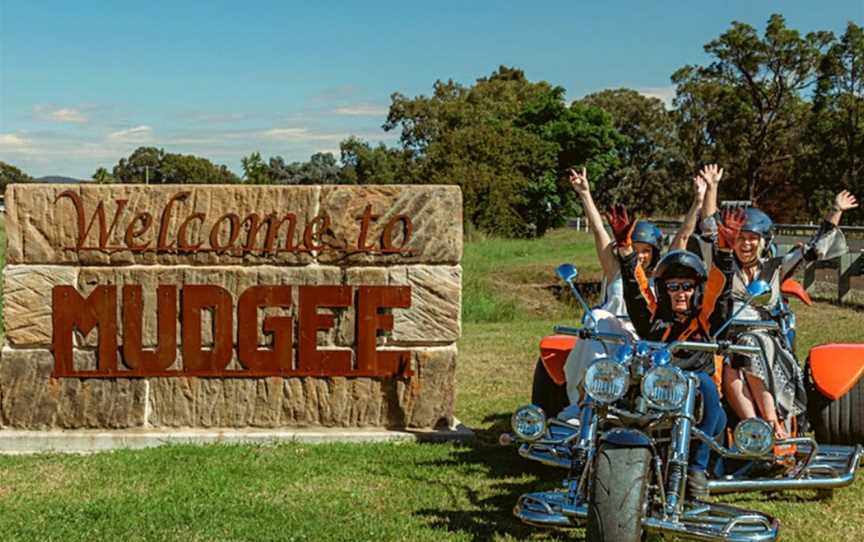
x,y
618,491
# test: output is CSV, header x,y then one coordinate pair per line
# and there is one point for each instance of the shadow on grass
x,y
490,513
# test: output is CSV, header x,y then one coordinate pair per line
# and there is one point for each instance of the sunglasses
x,y
683,286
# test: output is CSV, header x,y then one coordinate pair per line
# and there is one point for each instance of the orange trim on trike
x,y
554,350
793,287
835,368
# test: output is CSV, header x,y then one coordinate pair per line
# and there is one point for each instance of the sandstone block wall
x,y
87,236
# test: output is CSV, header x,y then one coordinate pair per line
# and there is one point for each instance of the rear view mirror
x,y
759,291
567,272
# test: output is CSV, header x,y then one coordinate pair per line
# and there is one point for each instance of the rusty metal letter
x,y
196,359
272,360
134,356
310,360
371,361
71,311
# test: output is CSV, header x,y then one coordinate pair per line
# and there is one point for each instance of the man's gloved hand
x,y
730,227
622,226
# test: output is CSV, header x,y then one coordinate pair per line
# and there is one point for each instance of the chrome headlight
x,y
606,381
665,388
528,422
754,436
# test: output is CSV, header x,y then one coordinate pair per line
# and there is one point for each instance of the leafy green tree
x,y
745,109
364,164
102,176
154,165
321,168
255,170
505,140
650,175
10,174
834,156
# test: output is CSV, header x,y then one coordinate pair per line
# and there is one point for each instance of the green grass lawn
x,y
379,491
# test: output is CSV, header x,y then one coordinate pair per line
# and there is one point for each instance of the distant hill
x,y
58,179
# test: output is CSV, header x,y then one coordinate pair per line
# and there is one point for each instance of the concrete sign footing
x,y
85,441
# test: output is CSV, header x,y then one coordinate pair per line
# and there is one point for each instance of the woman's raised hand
x,y
700,187
730,227
845,201
622,225
579,180
712,173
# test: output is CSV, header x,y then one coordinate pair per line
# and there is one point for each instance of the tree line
x,y
782,112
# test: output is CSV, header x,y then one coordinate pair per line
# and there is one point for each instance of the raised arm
x,y
717,302
820,244
844,201
712,173
602,242
700,187
638,297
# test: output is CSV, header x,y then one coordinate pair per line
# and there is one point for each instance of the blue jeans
x,y
713,421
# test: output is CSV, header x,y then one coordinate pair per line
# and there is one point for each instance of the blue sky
x,y
82,84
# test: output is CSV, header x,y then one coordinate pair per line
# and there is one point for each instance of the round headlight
x,y
606,381
754,436
529,422
665,388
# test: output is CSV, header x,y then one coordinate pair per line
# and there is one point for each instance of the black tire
x,y
618,492
840,421
546,394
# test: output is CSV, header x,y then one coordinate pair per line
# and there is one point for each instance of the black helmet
x,y
756,221
678,264
648,233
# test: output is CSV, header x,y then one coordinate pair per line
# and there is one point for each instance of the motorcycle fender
x,y
836,368
626,438
554,350
792,287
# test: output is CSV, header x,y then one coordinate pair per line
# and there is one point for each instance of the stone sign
x,y
230,306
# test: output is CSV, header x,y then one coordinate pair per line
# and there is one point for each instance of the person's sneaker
x,y
697,485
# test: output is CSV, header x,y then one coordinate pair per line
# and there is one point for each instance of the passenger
x,y
690,304
769,385
611,314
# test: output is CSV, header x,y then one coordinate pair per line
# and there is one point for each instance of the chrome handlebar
x,y
721,346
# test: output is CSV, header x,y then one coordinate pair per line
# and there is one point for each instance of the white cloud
x,y
297,134
67,114
362,110
664,94
138,134
60,114
13,142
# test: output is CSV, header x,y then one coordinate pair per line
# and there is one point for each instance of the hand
x,y
730,227
712,173
622,226
579,181
700,187
845,201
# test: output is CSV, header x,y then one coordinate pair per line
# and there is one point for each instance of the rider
x,y
611,315
690,304
770,385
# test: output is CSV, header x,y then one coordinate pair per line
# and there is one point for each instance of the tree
x,y
651,175
364,164
155,166
102,176
322,168
745,109
255,170
505,140
834,157
10,174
